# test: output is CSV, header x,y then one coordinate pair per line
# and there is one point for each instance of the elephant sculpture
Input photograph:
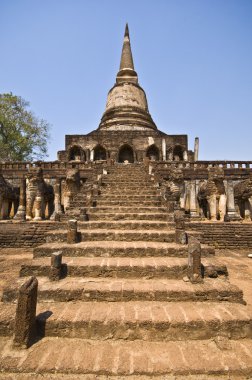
x,y
72,186
9,196
243,197
173,190
39,195
212,195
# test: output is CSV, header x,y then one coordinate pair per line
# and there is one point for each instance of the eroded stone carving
x,y
8,198
243,197
174,188
39,195
212,195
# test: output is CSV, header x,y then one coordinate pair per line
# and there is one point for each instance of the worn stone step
x,y
138,179
128,177
79,199
119,267
122,360
158,216
115,235
127,224
148,321
134,197
119,248
90,359
115,290
101,202
126,209
152,321
127,183
125,192
124,188
131,169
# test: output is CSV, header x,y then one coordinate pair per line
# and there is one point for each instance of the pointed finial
x,y
126,72
126,34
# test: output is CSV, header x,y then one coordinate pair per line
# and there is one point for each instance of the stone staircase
x,y
122,308
128,193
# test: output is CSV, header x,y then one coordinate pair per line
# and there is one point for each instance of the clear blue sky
x,y
193,58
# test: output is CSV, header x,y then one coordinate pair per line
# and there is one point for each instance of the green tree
x,y
23,137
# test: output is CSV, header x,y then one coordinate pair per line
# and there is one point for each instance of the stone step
x,y
148,321
127,203
124,198
119,248
158,216
115,235
127,225
56,358
79,199
120,360
119,267
127,178
115,290
76,205
126,209
127,169
133,197
125,192
129,185
132,188
126,182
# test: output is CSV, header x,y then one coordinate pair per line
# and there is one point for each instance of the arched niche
x,y
126,154
76,153
99,153
153,153
178,153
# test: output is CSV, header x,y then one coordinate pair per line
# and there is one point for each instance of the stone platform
x,y
122,308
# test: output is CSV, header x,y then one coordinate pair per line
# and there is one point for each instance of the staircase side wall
x,y
224,235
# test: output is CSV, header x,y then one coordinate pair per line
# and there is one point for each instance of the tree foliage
x,y
23,137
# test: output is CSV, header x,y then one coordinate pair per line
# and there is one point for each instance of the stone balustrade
x,y
203,164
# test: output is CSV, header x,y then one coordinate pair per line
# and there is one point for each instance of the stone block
x,y
56,259
194,260
180,234
83,214
25,321
72,233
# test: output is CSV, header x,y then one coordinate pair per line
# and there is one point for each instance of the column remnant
x,y
56,266
193,200
231,210
21,212
25,321
180,234
196,149
194,260
72,233
57,200
163,149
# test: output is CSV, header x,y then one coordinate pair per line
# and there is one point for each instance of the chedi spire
x,y
126,72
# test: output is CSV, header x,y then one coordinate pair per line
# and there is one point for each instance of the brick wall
x,y
224,235
29,234
219,235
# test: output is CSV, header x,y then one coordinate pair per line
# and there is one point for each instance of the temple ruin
x,y
124,228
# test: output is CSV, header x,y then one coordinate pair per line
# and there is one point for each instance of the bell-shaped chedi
x,y
127,107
